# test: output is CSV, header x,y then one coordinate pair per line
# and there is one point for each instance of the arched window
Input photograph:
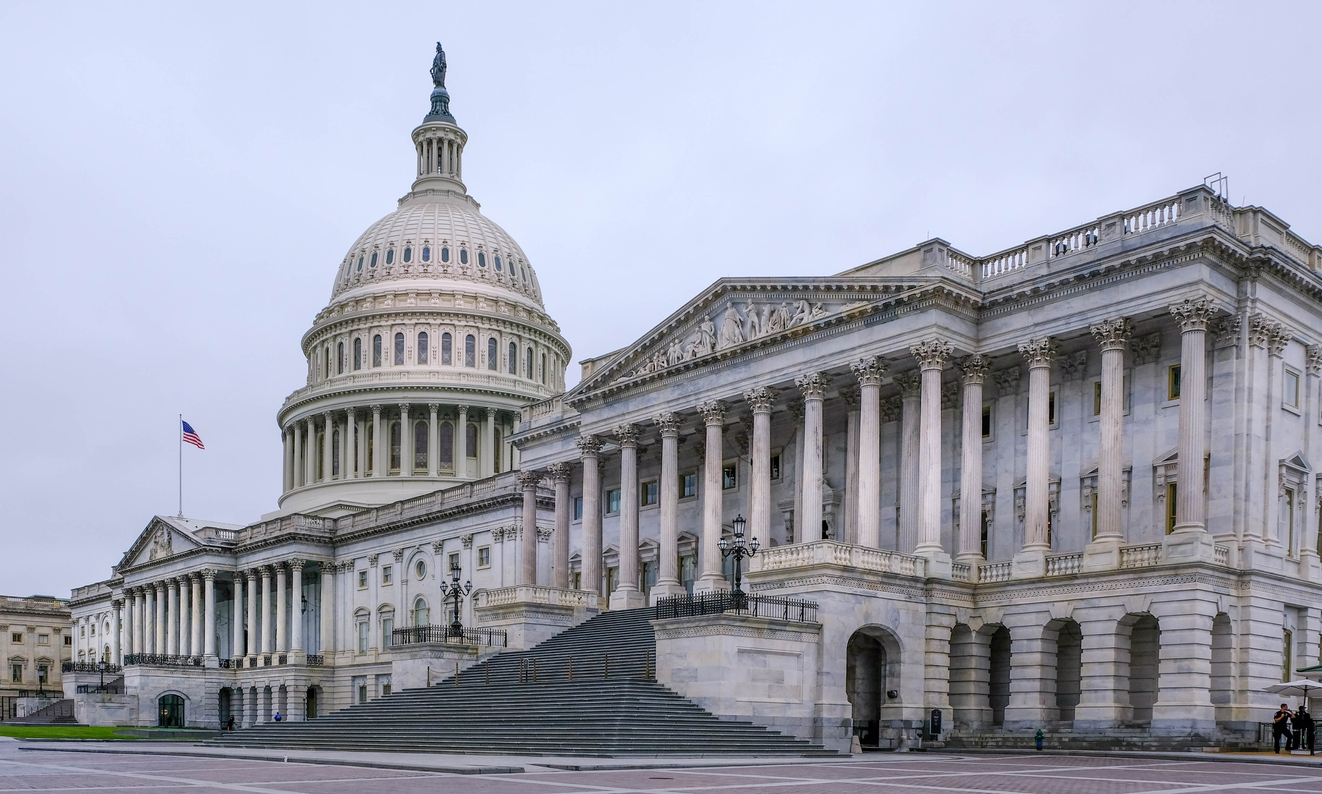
x,y
339,358
335,453
514,359
376,350
470,441
420,445
445,444
371,447
399,349
426,253
493,358
422,348
481,259
527,363
408,254
495,461
497,258
445,254
390,256
325,370
358,353
421,615
373,262
470,351
447,344
360,262
543,369
395,445
463,256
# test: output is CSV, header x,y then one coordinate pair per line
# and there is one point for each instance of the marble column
x,y
1113,337
134,597
813,389
298,454
528,547
1193,315
848,530
489,443
195,621
254,637
159,646
713,498
288,438
932,356
760,400
281,609
1038,353
668,583
589,448
117,627
185,617
910,393
312,452
628,594
296,606
352,460
405,442
172,621
346,453
973,371
237,645
433,436
208,613
869,372
559,473
1308,550
327,447
378,470
461,443
327,613
268,633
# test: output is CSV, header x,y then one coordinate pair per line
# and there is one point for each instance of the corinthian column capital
x,y
559,472
1193,314
668,423
908,383
588,446
760,399
1113,334
931,354
627,436
869,371
1039,352
973,369
713,412
812,386
529,479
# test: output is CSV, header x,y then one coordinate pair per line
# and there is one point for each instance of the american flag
x,y
192,437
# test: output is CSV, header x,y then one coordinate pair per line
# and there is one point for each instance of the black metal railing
x,y
111,688
720,602
282,659
266,660
412,635
231,664
162,660
89,667
316,660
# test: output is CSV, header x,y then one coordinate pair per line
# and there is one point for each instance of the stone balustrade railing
x,y
994,572
961,571
1143,556
525,594
829,552
1221,555
1064,564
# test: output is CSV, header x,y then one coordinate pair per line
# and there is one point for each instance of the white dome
x,y
431,239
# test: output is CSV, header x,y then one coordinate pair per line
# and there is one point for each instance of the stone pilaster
x,y
326,647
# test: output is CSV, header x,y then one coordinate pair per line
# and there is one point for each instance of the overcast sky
x,y
178,183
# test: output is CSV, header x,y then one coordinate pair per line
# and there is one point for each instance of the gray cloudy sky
x,y
178,183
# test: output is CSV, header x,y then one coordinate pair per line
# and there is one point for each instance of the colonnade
x,y
365,444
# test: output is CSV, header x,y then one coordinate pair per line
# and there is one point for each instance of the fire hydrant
x,y
1038,738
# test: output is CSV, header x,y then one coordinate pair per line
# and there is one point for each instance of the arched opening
x,y
470,351
493,358
447,349
872,673
998,674
470,442
968,676
267,705
335,453
399,349
312,703
1069,668
357,354
514,359
170,713
1144,666
420,446
225,706
396,445
445,447
376,350
527,363
423,353
1223,670
421,615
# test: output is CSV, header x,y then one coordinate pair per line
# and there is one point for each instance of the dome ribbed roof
x,y
427,234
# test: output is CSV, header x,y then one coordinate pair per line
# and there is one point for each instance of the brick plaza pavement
x,y
38,771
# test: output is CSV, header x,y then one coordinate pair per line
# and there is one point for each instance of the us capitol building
x,y
1065,485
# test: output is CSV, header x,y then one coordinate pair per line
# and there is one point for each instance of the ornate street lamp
x,y
101,668
738,549
454,590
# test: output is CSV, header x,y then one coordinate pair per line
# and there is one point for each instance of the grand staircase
x,y
585,692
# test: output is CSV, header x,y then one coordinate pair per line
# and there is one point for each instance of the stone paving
x,y
1009,773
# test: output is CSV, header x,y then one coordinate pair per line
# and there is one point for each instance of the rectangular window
x,y
1287,514
362,636
612,580
613,501
578,580
362,693
376,350
43,639
729,475
82,631
68,641
1172,494
1173,383
1287,638
454,560
385,689
984,534
1094,513
649,493
578,508
1097,398
688,484
362,580
16,672
775,467
387,632
1051,409
387,573
1291,392
986,421
16,638
484,557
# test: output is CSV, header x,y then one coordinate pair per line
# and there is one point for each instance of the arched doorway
x,y
225,706
1144,666
171,712
872,672
1069,668
998,684
1223,664
312,703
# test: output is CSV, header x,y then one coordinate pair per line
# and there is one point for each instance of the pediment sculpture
x,y
161,545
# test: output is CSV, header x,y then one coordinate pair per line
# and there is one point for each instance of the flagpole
x,y
179,428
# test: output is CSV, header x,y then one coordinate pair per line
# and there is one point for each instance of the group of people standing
x,y
1295,726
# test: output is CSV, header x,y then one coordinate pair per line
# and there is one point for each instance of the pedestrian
x,y
1281,727
229,724
277,716
1303,729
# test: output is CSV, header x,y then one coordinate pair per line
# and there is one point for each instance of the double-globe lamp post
x,y
738,549
455,592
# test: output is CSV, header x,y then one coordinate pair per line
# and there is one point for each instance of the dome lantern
x,y
438,140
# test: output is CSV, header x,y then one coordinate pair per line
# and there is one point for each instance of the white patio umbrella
x,y
1292,689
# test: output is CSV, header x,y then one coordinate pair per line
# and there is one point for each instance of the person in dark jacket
x,y
1303,729
1281,727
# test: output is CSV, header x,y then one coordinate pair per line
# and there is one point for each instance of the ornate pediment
x,y
158,541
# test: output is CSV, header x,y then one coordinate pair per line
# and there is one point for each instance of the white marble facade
x,y
974,466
